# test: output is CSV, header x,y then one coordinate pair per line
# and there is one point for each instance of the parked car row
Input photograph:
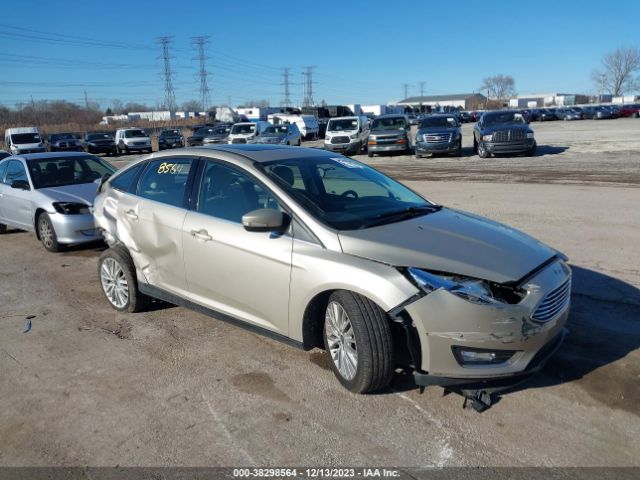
x,y
387,275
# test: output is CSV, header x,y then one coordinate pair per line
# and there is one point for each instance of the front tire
x,y
482,152
47,234
3,228
118,280
358,342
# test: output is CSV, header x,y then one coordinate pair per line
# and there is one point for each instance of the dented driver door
x,y
154,218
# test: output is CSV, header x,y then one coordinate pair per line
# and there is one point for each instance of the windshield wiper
x,y
398,215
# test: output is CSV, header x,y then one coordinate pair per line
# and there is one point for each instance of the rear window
x,y
125,182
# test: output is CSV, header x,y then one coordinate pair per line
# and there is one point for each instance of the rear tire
x,y
369,153
119,282
358,342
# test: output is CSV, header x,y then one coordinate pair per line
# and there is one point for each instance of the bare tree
x,y
192,106
499,87
618,68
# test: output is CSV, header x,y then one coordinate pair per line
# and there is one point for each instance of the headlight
x,y
91,144
354,136
472,290
487,138
71,208
529,134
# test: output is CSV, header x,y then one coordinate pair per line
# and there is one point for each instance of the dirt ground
x,y
90,386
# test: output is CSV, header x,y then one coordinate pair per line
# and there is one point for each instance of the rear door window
x,y
165,180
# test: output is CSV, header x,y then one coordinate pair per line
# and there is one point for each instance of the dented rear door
x,y
153,220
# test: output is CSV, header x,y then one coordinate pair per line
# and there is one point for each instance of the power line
x,y
169,95
200,42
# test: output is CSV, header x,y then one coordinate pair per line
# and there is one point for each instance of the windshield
x,y
61,136
134,133
343,193
59,171
277,129
99,136
22,138
439,122
342,124
243,128
502,118
170,133
390,123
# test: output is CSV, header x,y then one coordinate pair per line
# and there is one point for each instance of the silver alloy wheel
x,y
341,340
46,232
114,283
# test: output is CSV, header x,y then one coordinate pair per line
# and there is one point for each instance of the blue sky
x,y
362,51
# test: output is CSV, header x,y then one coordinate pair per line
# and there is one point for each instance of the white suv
x,y
132,140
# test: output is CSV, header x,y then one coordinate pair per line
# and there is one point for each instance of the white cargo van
x,y
347,135
246,132
23,140
307,124
132,140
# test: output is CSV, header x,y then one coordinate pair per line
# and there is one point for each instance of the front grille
x,y
139,143
509,136
554,303
239,140
387,139
437,137
340,140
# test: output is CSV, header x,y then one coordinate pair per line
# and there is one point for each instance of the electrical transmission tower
x,y
422,89
286,102
308,87
169,95
406,90
200,42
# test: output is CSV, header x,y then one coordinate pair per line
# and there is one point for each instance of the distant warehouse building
x,y
535,100
464,101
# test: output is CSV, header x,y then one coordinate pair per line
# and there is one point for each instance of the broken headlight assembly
x,y
71,208
473,290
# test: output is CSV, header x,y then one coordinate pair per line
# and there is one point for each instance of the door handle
x,y
131,214
201,234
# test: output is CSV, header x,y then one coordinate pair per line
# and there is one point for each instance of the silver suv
x,y
319,250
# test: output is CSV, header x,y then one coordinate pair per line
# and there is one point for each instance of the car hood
x,y
504,126
83,193
451,241
387,132
437,130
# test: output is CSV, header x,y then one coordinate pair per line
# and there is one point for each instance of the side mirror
x,y
264,220
103,179
20,184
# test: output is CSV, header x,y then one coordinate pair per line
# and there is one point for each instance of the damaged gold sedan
x,y
319,250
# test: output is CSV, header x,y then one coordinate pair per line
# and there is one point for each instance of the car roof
x,y
251,153
393,115
51,155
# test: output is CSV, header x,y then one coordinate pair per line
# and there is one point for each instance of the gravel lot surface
x,y
90,386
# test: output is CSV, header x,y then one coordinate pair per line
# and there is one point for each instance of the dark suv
x,y
99,142
439,134
170,138
503,131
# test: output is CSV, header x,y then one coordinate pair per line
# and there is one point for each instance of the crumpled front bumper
x,y
444,322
